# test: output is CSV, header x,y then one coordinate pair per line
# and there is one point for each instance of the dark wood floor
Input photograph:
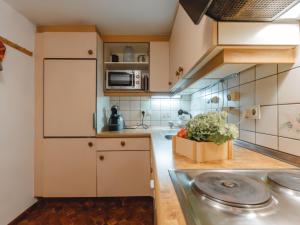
x,y
100,211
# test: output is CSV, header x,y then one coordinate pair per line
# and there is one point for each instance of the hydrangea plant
x,y
211,127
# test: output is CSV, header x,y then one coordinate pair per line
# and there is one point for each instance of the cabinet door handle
x,y
90,144
123,143
90,52
101,157
180,70
94,121
170,83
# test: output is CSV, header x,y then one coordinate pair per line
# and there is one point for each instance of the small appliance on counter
x,y
116,121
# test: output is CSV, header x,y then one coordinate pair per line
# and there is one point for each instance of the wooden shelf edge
x,y
125,63
134,38
127,93
68,28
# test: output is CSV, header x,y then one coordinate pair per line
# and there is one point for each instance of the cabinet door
x,y
189,42
123,173
159,66
70,44
69,98
68,168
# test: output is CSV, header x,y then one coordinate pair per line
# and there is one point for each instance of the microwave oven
x,y
124,79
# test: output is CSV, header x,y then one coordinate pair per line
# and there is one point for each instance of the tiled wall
x,y
277,89
159,110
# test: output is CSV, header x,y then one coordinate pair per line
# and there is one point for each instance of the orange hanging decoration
x,y
2,53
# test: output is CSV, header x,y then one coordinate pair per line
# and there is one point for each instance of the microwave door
x,y
120,80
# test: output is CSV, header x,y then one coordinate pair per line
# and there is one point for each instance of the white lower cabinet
x,y
74,167
68,168
123,173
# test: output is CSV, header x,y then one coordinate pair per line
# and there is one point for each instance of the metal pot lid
x,y
232,189
285,179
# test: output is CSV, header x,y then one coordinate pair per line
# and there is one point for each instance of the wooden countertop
x,y
167,205
127,133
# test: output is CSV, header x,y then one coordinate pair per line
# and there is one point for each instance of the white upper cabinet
x,y
197,50
266,34
189,43
70,44
69,97
159,66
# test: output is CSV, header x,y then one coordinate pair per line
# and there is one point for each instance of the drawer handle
x,y
101,157
90,51
123,143
90,144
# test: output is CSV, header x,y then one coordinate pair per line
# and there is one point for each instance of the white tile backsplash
x,y
247,124
276,91
290,146
268,123
165,104
135,115
288,87
145,105
135,105
247,75
124,105
265,70
158,110
234,81
267,140
289,121
266,91
155,115
155,104
247,136
247,95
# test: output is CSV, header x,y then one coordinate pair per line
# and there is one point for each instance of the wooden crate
x,y
202,151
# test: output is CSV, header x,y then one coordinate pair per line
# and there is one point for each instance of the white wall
x,y
16,117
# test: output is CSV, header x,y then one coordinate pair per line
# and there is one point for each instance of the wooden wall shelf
x,y
16,46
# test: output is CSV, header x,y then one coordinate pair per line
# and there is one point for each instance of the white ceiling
x,y
138,17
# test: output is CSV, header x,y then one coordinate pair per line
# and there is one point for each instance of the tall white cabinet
x,y
66,93
69,97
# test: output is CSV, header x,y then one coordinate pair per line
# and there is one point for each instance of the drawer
x,y
117,144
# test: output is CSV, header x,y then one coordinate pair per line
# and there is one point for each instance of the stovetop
x,y
239,197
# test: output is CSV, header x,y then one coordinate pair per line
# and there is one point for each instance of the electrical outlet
x,y
252,112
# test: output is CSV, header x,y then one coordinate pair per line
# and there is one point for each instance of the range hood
x,y
237,10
